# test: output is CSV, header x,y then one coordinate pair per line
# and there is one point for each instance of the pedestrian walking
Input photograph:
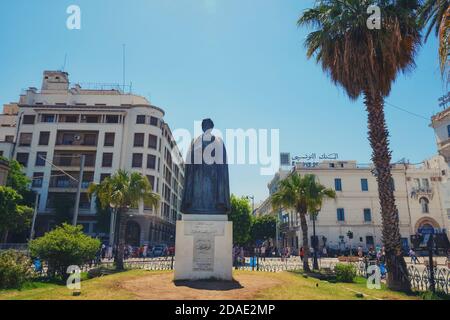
x,y
324,252
302,253
412,255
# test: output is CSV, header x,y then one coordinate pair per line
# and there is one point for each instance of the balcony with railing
x,y
70,139
62,181
65,159
417,192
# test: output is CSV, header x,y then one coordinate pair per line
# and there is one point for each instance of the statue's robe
x,y
206,185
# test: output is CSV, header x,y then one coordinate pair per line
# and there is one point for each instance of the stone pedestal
x,y
203,248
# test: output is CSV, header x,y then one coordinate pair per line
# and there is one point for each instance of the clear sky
x,y
240,62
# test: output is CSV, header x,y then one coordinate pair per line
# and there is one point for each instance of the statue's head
x,y
207,124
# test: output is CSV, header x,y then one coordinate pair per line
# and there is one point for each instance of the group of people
x,y
108,252
374,257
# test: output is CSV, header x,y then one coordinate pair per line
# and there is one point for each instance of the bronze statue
x,y
206,182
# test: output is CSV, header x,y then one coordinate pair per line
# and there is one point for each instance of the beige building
x,y
418,192
114,130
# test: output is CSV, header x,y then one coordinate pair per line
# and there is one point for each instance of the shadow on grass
x,y
209,284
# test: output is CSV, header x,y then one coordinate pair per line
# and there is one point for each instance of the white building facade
x,y
417,190
113,130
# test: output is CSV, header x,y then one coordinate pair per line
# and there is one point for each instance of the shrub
x,y
15,269
345,272
64,246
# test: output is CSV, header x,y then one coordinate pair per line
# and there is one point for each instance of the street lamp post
x,y
253,203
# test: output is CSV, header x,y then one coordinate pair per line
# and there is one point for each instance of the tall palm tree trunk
x,y
379,140
121,242
304,227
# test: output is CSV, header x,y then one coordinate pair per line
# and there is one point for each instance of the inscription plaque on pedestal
x,y
204,234
203,253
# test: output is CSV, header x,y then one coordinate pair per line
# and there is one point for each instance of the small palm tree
x,y
303,195
123,191
436,14
366,62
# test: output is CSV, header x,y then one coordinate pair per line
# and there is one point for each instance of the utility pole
x,y
36,201
80,182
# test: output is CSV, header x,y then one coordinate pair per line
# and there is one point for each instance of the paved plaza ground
x,y
159,285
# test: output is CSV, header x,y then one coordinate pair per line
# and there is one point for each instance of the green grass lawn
x,y
308,288
292,286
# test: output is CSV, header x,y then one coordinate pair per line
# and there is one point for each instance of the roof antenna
x,y
123,75
65,61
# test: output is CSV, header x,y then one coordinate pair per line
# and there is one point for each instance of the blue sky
x,y
240,62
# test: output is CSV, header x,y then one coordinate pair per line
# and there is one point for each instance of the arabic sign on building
x,y
312,160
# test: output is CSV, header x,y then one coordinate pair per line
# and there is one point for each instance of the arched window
x,y
424,203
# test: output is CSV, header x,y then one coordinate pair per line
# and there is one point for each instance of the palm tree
x,y
303,195
436,14
123,191
366,62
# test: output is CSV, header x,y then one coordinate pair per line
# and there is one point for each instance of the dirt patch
x,y
162,287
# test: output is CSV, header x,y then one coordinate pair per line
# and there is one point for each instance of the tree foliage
x,y
242,219
64,246
15,269
263,228
124,190
302,194
13,215
435,14
366,61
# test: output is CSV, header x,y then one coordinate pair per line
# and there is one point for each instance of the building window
x,y
107,160
44,137
69,118
29,119
392,184
364,185
367,215
103,176
448,131
38,178
112,118
48,118
9,139
138,140
22,158
340,214
154,121
140,119
152,141
90,119
40,159
109,139
25,139
151,180
151,162
137,160
425,205
370,241
338,184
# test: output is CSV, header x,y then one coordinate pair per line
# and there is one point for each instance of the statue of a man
x,y
206,182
